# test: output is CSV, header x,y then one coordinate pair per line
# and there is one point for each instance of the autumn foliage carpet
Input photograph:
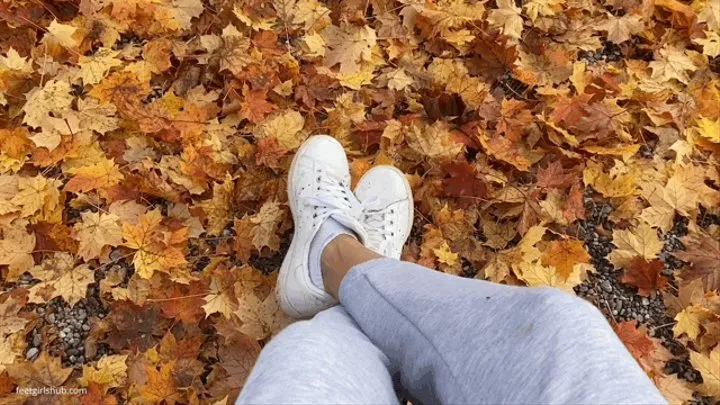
x,y
144,147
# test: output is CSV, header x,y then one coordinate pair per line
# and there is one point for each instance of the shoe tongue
x,y
353,224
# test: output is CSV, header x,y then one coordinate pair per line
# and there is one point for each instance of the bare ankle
x,y
338,257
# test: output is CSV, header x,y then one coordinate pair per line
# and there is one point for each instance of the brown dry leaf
x,y
645,276
45,371
703,254
109,372
260,318
16,249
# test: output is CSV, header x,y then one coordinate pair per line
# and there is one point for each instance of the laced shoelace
x,y
376,223
332,196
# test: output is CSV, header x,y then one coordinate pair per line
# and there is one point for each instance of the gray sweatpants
x,y
447,340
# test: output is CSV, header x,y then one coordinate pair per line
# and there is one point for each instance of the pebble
x,y
606,286
645,302
36,340
32,353
62,334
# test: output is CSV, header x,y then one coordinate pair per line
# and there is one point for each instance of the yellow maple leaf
x,y
160,385
616,184
642,241
95,67
536,275
672,63
507,16
16,249
39,196
95,231
286,126
690,319
217,208
98,176
13,61
220,300
110,372
710,44
709,367
54,97
708,129
61,34
72,285
445,255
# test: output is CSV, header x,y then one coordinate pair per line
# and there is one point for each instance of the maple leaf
x,y
16,249
645,276
648,352
160,385
640,242
434,141
45,371
237,357
72,286
266,222
255,106
464,181
97,176
285,126
710,44
96,231
689,321
703,254
621,29
535,275
260,318
220,300
109,372
15,143
39,196
673,389
507,16
94,68
671,64
709,367
708,129
348,46
564,255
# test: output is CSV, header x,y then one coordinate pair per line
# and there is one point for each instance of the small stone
x,y
606,286
32,353
115,255
51,318
86,327
62,334
72,359
72,352
36,340
81,359
40,310
645,302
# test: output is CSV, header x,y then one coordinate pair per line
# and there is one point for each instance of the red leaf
x,y
463,181
645,276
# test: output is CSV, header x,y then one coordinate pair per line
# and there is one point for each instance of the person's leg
x,y
458,340
324,360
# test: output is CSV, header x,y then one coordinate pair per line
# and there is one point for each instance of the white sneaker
x,y
387,209
318,187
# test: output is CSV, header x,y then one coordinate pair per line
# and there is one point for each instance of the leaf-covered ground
x,y
145,144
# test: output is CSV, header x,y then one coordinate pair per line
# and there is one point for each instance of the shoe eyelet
x,y
318,178
392,223
392,211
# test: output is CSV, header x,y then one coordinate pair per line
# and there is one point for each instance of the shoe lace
x,y
377,224
330,197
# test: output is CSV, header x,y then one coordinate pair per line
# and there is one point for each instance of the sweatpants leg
x,y
458,340
324,360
